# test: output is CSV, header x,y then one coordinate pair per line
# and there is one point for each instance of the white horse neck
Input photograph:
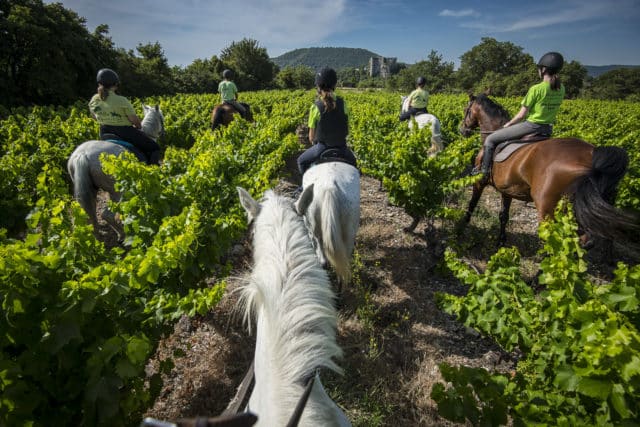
x,y
152,123
291,296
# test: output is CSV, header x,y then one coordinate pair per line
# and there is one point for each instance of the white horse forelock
x,y
290,296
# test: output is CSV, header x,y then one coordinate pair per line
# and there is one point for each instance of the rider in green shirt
x,y
229,92
418,100
539,107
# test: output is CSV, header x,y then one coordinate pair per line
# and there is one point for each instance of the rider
x,y
229,92
418,100
540,107
116,116
328,122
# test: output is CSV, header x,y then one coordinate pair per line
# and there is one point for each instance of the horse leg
x,y
478,188
411,227
504,218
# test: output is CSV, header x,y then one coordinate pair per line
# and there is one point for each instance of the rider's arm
x,y
312,134
518,117
135,121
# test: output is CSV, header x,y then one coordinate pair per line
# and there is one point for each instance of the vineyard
x,y
83,319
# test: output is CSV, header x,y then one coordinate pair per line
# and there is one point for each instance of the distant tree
x,y
254,70
622,83
573,76
296,77
502,58
201,76
47,55
439,75
351,76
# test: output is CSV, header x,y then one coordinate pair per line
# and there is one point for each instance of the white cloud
x,y
556,14
192,29
458,13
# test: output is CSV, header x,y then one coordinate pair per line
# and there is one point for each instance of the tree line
x,y
49,57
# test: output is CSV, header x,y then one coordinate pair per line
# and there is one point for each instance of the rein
x,y
231,416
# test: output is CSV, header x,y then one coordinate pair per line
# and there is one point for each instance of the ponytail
x,y
555,82
328,99
104,91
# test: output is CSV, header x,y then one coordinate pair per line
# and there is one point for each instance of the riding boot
x,y
154,157
487,159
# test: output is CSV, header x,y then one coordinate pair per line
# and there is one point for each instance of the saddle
x,y
505,149
112,137
333,154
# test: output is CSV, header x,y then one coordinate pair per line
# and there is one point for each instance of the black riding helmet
x,y
227,74
420,81
553,61
327,79
107,77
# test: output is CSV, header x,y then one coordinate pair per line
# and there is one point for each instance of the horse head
x,y
470,119
153,122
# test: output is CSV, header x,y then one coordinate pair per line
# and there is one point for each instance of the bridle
x,y
467,113
232,415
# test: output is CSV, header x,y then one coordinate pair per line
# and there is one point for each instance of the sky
x,y
591,32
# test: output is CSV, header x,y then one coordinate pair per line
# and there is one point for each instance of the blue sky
x,y
589,31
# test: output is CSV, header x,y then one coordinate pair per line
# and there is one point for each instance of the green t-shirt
x,y
112,111
314,114
228,90
419,98
543,103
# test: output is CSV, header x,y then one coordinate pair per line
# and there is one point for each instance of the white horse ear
x,y
248,203
304,200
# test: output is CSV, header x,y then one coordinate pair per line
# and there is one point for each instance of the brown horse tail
x,y
595,195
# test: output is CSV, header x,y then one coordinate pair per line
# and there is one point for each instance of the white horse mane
x,y
291,298
291,289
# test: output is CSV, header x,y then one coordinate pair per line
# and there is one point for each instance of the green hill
x,y
596,70
318,57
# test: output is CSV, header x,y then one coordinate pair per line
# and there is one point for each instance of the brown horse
x,y
545,171
223,114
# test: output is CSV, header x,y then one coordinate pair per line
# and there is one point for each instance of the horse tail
x,y
335,234
84,190
595,195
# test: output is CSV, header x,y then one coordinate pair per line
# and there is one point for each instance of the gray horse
x,y
88,177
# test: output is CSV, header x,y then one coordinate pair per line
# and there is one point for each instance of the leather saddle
x,y
507,148
333,154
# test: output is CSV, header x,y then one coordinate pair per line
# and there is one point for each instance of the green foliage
x,y
579,342
318,57
254,70
80,322
438,73
296,77
622,83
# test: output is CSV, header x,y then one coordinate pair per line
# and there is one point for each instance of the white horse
x,y
423,120
290,296
86,171
334,214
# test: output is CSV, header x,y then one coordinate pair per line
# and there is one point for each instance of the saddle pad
x,y
124,144
508,151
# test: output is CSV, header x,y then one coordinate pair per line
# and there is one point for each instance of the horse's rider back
x,y
539,107
229,92
117,116
418,100
328,122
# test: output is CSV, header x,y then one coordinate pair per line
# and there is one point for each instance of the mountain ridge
x,y
350,57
